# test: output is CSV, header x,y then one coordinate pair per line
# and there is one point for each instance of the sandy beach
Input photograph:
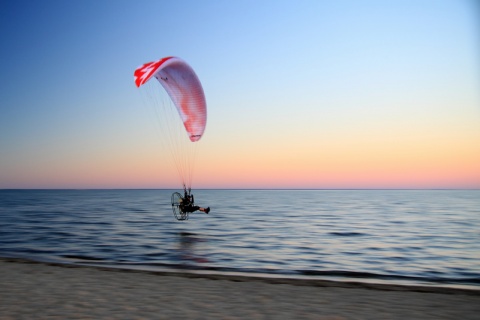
x,y
32,290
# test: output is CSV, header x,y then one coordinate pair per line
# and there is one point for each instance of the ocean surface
x,y
427,237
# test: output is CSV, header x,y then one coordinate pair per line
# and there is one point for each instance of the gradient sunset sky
x,y
300,94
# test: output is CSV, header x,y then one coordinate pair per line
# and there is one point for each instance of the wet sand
x,y
32,290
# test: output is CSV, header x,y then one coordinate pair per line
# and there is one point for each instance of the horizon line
x,y
279,189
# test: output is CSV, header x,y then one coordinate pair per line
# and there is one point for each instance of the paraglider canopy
x,y
182,85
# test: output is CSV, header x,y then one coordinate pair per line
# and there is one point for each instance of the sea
x,y
419,237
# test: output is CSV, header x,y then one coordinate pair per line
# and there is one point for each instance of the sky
x,y
300,94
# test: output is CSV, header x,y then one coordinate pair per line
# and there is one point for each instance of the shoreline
x,y
42,290
265,278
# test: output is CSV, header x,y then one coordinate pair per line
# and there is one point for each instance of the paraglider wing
x,y
183,87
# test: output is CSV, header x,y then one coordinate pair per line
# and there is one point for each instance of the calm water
x,y
420,236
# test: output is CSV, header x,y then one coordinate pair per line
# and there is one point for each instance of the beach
x,y
34,290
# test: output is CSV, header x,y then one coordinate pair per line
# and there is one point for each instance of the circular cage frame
x,y
176,207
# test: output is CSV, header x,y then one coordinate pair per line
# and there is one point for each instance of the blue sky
x,y
291,80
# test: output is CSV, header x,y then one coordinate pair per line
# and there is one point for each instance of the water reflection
x,y
188,248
